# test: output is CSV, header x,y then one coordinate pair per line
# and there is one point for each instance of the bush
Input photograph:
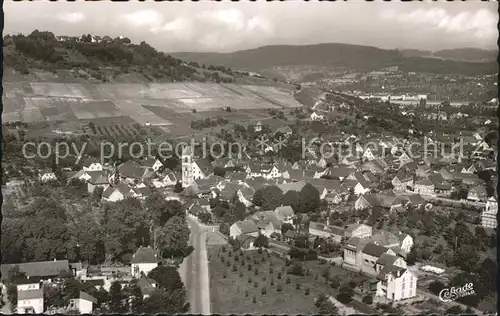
x,y
250,280
263,291
235,268
254,299
256,271
255,284
228,263
222,259
297,286
272,282
288,280
279,288
308,291
224,275
368,299
249,267
241,274
279,275
246,293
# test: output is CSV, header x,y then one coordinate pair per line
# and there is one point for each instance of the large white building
x,y
489,215
30,301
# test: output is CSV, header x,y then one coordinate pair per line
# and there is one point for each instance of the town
x,y
136,181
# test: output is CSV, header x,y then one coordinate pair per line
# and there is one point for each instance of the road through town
x,y
194,270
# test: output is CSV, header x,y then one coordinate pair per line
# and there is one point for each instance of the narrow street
x,y
194,270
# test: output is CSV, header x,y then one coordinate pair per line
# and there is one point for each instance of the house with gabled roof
x,y
352,251
30,302
91,164
129,172
152,164
117,193
358,230
285,213
97,179
47,175
326,231
477,193
370,255
147,286
395,284
84,303
402,182
245,227
245,195
143,261
424,187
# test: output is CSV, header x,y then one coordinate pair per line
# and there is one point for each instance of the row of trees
x,y
69,228
306,201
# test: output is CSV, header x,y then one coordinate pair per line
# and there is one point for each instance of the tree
x,y
136,297
286,227
178,187
240,211
368,299
411,257
173,238
166,302
345,294
436,286
116,303
167,278
309,199
325,306
97,194
261,241
292,198
268,198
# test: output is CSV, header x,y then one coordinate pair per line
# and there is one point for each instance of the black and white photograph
x,y
265,157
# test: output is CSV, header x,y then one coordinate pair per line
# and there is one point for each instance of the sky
x,y
228,26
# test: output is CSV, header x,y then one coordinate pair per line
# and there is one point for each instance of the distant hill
x,y
468,54
355,57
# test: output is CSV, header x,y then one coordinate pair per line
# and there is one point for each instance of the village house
x,y
97,179
424,187
489,214
477,193
47,175
147,286
402,182
30,302
395,283
352,251
358,230
265,171
316,117
91,164
285,213
42,270
151,164
258,127
28,284
245,195
84,304
326,231
117,193
246,227
143,261
370,255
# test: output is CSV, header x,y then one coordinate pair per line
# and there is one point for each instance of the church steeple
x,y
187,166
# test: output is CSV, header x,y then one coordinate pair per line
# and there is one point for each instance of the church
x,y
194,169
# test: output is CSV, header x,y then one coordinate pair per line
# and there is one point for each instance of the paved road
x,y
194,270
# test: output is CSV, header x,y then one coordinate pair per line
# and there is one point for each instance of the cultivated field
x,y
242,281
158,104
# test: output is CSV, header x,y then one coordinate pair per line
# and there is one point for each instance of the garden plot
x,y
95,109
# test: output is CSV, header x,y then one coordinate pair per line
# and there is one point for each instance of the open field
x,y
154,104
229,288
